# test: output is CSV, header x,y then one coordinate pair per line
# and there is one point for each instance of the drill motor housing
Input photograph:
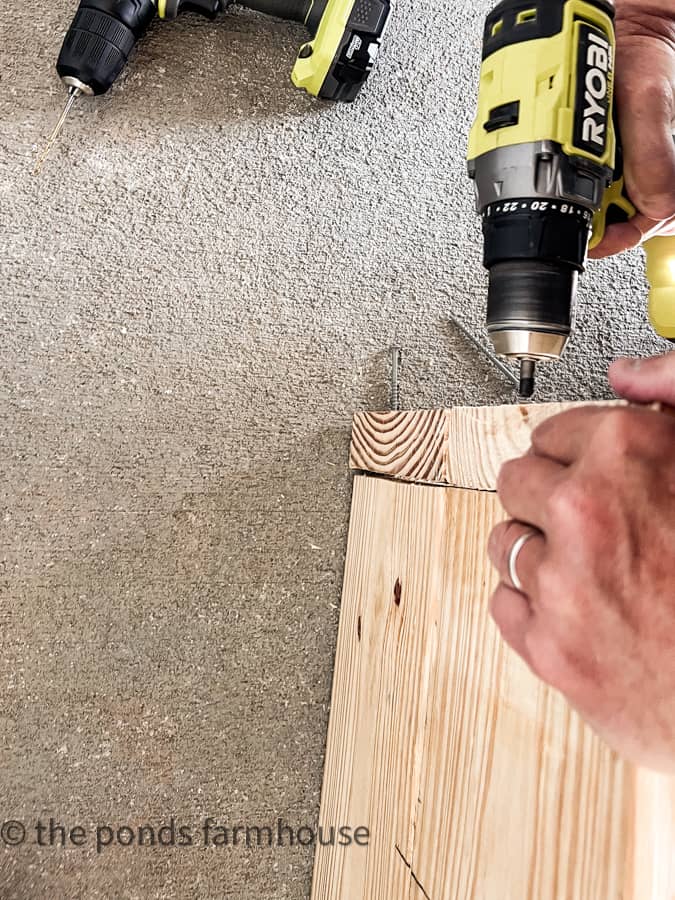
x,y
542,155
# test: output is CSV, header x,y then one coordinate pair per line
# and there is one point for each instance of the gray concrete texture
x,y
197,293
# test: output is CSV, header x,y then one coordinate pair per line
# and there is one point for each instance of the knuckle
x,y
547,580
507,474
570,503
496,607
510,479
658,207
541,433
616,434
552,663
577,513
652,89
658,89
546,437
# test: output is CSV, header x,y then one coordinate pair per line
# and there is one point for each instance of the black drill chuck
x,y
99,41
534,256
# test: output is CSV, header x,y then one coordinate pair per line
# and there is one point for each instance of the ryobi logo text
x,y
594,85
598,61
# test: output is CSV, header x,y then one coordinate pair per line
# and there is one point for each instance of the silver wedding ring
x,y
513,558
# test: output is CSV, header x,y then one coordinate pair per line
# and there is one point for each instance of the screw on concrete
x,y
395,374
497,363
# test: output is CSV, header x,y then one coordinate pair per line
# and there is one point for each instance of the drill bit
x,y
526,383
73,94
497,363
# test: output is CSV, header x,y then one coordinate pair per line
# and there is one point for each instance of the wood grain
x,y
475,780
410,446
463,447
652,851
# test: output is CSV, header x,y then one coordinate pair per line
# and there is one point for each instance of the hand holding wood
x,y
596,614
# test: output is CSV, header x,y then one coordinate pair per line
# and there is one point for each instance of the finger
x,y
623,236
563,438
626,235
645,380
513,616
500,547
524,485
646,110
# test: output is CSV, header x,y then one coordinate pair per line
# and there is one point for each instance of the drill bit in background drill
x,y
494,361
73,94
333,64
96,49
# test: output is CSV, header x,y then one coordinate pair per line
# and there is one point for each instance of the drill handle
x,y
616,207
661,277
660,252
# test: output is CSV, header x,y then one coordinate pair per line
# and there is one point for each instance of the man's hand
x,y
645,95
596,614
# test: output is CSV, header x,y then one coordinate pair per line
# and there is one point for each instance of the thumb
x,y
624,235
645,380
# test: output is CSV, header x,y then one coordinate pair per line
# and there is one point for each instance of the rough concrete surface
x,y
197,293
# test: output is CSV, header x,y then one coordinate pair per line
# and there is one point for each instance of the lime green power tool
x,y
545,158
334,64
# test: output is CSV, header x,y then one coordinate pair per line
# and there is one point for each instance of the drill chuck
x,y
529,311
534,251
99,41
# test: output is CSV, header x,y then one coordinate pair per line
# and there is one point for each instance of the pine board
x,y
476,781
463,447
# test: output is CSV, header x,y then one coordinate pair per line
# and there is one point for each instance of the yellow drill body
x,y
546,163
661,277
540,74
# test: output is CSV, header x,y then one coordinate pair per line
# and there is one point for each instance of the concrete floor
x,y
197,293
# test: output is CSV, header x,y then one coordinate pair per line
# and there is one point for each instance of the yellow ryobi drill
x,y
545,158
334,64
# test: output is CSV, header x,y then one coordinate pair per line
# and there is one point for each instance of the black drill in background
x,y
334,64
104,32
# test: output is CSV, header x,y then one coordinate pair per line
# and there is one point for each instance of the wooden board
x,y
476,782
463,447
